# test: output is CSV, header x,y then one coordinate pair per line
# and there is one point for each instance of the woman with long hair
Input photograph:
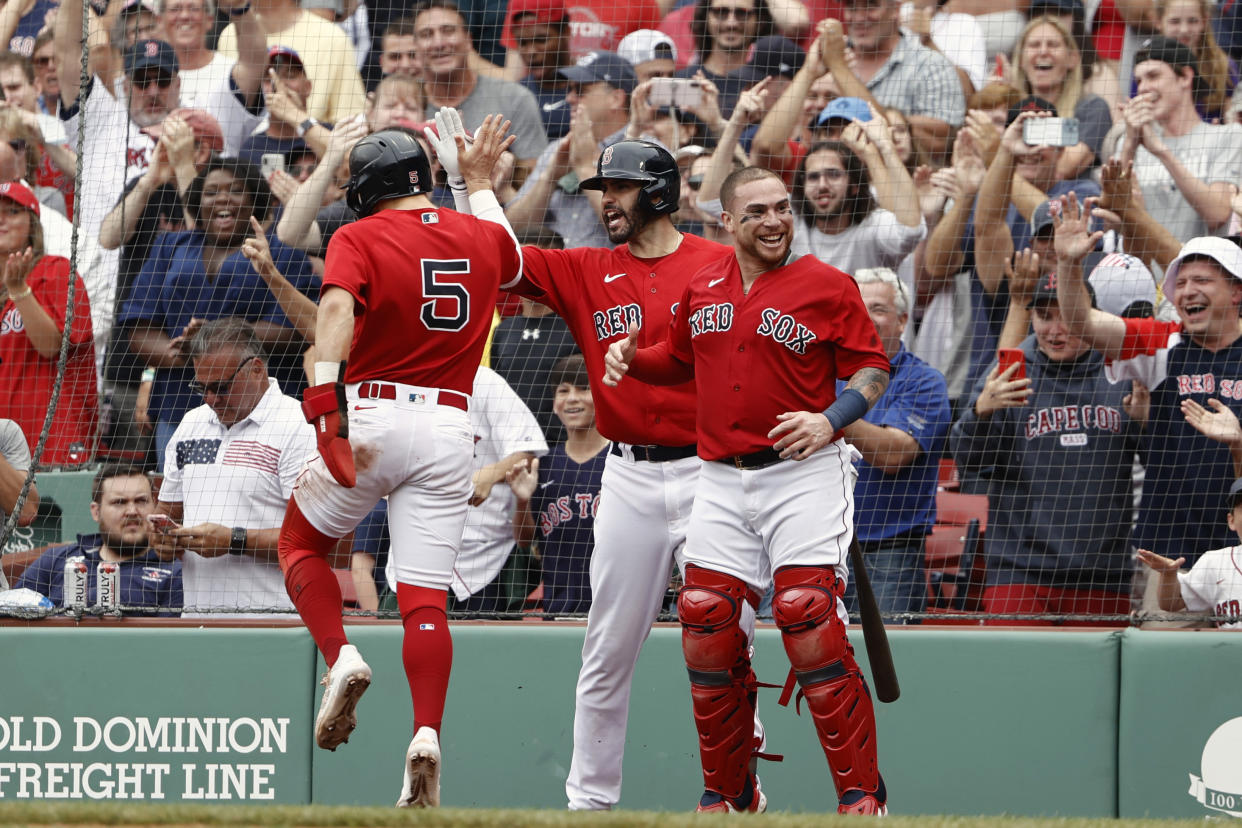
x,y
35,297
1047,63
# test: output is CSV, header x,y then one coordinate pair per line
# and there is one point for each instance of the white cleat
x,y
346,681
421,788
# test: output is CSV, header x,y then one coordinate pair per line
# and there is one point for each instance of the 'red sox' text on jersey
x,y
600,293
780,347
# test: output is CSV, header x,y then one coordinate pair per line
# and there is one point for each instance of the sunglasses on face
x,y
694,182
218,389
17,144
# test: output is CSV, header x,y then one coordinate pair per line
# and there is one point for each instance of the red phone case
x,y
1010,356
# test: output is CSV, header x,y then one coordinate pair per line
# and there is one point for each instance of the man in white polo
x,y
228,475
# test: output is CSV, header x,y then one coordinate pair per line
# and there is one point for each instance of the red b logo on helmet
x,y
153,48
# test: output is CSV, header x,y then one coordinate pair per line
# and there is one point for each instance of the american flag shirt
x,y
237,476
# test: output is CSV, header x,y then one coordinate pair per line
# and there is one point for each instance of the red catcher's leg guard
x,y
310,581
804,607
721,682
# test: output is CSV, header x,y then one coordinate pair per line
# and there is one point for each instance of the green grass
x,y
111,813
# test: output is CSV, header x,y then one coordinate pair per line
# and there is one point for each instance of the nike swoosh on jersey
x,y
364,407
715,282
612,277
548,107
547,484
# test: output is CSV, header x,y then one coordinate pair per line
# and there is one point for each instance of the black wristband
x,y
238,11
237,543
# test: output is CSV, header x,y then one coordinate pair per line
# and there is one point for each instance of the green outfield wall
x,y
989,721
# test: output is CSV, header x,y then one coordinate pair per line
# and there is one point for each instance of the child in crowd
x,y
557,499
1214,583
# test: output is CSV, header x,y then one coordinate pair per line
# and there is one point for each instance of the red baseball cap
x,y
206,128
542,11
23,195
286,52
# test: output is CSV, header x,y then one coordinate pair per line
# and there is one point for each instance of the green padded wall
x,y
975,724
1034,722
116,696
1178,689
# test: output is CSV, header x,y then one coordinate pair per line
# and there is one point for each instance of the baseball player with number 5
x,y
765,337
408,293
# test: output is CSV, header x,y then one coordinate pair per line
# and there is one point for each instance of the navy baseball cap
x,y
772,56
1234,491
1041,219
151,54
1031,103
845,109
600,65
1046,290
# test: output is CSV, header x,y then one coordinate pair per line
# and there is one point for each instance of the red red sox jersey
x,y
780,347
425,282
599,292
26,378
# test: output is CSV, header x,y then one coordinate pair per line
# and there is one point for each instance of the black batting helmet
x,y
645,162
386,164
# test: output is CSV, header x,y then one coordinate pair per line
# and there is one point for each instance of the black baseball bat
x,y
883,674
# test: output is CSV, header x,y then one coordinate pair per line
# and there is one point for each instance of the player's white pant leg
x,y
643,512
427,513
378,437
820,487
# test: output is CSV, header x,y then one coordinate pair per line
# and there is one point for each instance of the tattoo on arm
x,y
870,382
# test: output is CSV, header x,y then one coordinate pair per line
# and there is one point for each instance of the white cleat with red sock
x,y
345,683
421,787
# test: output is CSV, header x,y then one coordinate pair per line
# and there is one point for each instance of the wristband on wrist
x,y
237,542
327,372
851,405
22,295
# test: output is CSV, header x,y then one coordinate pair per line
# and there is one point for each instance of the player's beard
x,y
633,222
126,549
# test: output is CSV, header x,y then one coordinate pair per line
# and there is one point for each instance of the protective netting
x,y
187,161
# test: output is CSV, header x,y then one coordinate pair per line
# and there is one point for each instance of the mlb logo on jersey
x,y
431,218
418,399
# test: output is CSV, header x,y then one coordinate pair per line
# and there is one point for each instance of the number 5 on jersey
x,y
442,286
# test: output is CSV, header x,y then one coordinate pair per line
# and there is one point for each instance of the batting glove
x,y
324,407
448,125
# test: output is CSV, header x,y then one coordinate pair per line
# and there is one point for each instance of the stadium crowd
x,y
1038,199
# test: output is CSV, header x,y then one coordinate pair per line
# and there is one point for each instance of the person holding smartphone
x,y
1060,446
122,504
